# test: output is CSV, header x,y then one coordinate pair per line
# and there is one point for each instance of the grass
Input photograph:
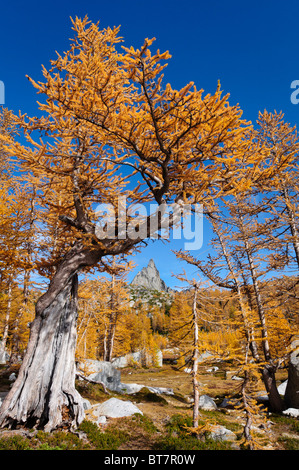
x,y
287,429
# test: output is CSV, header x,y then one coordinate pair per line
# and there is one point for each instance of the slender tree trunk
x,y
248,423
249,333
105,342
292,222
6,324
269,370
112,319
195,361
15,348
110,337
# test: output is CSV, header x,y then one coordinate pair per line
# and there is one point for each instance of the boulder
x,y
140,358
293,412
159,390
220,433
282,388
135,388
101,371
114,408
204,356
86,404
127,360
206,403
130,388
291,397
213,369
230,403
102,420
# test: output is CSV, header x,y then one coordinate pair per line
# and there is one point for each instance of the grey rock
x,y
101,371
130,388
127,360
282,388
102,420
220,433
159,390
135,388
206,403
115,408
86,404
140,358
213,369
204,356
293,412
229,403
291,397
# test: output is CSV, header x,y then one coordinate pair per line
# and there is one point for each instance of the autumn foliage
x,y
110,127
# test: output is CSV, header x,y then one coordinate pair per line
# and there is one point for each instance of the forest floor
x,y
166,420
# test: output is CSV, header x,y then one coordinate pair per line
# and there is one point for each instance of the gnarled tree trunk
x,y
44,394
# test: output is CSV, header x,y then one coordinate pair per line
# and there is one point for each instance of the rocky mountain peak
x,y
149,277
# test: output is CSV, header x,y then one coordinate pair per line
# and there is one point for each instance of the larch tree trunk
x,y
112,319
292,222
195,360
269,369
3,342
44,394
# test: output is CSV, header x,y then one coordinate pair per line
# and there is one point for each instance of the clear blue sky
x,y
251,47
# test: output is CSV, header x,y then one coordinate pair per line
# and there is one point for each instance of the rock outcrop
x,y
115,408
101,371
107,374
291,397
149,277
141,358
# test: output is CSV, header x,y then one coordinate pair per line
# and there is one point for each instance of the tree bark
x,y
275,400
292,222
269,370
195,360
44,394
6,325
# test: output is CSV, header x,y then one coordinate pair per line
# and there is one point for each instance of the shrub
x,y
102,440
179,437
14,443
